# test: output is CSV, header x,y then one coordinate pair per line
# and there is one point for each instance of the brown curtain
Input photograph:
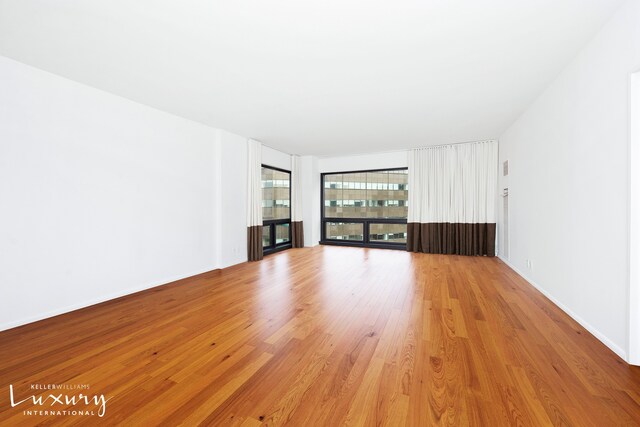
x,y
254,243
254,200
297,234
452,238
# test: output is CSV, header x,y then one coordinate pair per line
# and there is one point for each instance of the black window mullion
x,y
366,232
272,233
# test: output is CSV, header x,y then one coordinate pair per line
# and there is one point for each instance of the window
x,y
365,208
344,231
276,209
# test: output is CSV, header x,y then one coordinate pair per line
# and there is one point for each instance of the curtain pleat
x,y
254,243
297,234
297,231
449,238
254,201
452,199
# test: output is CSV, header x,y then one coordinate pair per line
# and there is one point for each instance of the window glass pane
x,y
388,233
275,194
333,195
344,231
282,233
381,194
266,238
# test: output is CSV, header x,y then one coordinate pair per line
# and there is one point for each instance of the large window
x,y
365,208
276,209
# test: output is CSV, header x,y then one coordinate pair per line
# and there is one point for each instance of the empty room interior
x,y
408,213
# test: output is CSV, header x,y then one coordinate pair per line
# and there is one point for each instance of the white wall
x,y
275,158
568,182
99,196
634,218
232,204
392,159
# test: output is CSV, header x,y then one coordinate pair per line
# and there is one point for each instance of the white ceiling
x,y
319,77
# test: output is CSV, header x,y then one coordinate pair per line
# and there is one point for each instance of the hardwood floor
x,y
325,337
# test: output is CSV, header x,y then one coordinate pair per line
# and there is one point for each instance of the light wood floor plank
x,y
327,336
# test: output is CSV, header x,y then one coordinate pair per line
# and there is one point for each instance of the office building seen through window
x,y
365,207
276,209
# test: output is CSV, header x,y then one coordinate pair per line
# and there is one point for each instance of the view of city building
x,y
363,198
276,207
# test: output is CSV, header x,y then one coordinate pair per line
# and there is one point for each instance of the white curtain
x,y
296,190
297,229
452,199
453,183
254,183
254,200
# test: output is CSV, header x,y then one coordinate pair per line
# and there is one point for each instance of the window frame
x,y
272,223
366,222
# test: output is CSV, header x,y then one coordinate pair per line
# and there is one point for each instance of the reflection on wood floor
x,y
327,336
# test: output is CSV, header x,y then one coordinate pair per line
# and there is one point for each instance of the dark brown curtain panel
x,y
297,234
254,200
254,243
454,239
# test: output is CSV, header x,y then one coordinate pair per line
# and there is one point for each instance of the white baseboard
x,y
600,336
93,301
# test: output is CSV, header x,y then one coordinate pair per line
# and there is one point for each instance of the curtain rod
x,y
279,151
426,147
386,151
